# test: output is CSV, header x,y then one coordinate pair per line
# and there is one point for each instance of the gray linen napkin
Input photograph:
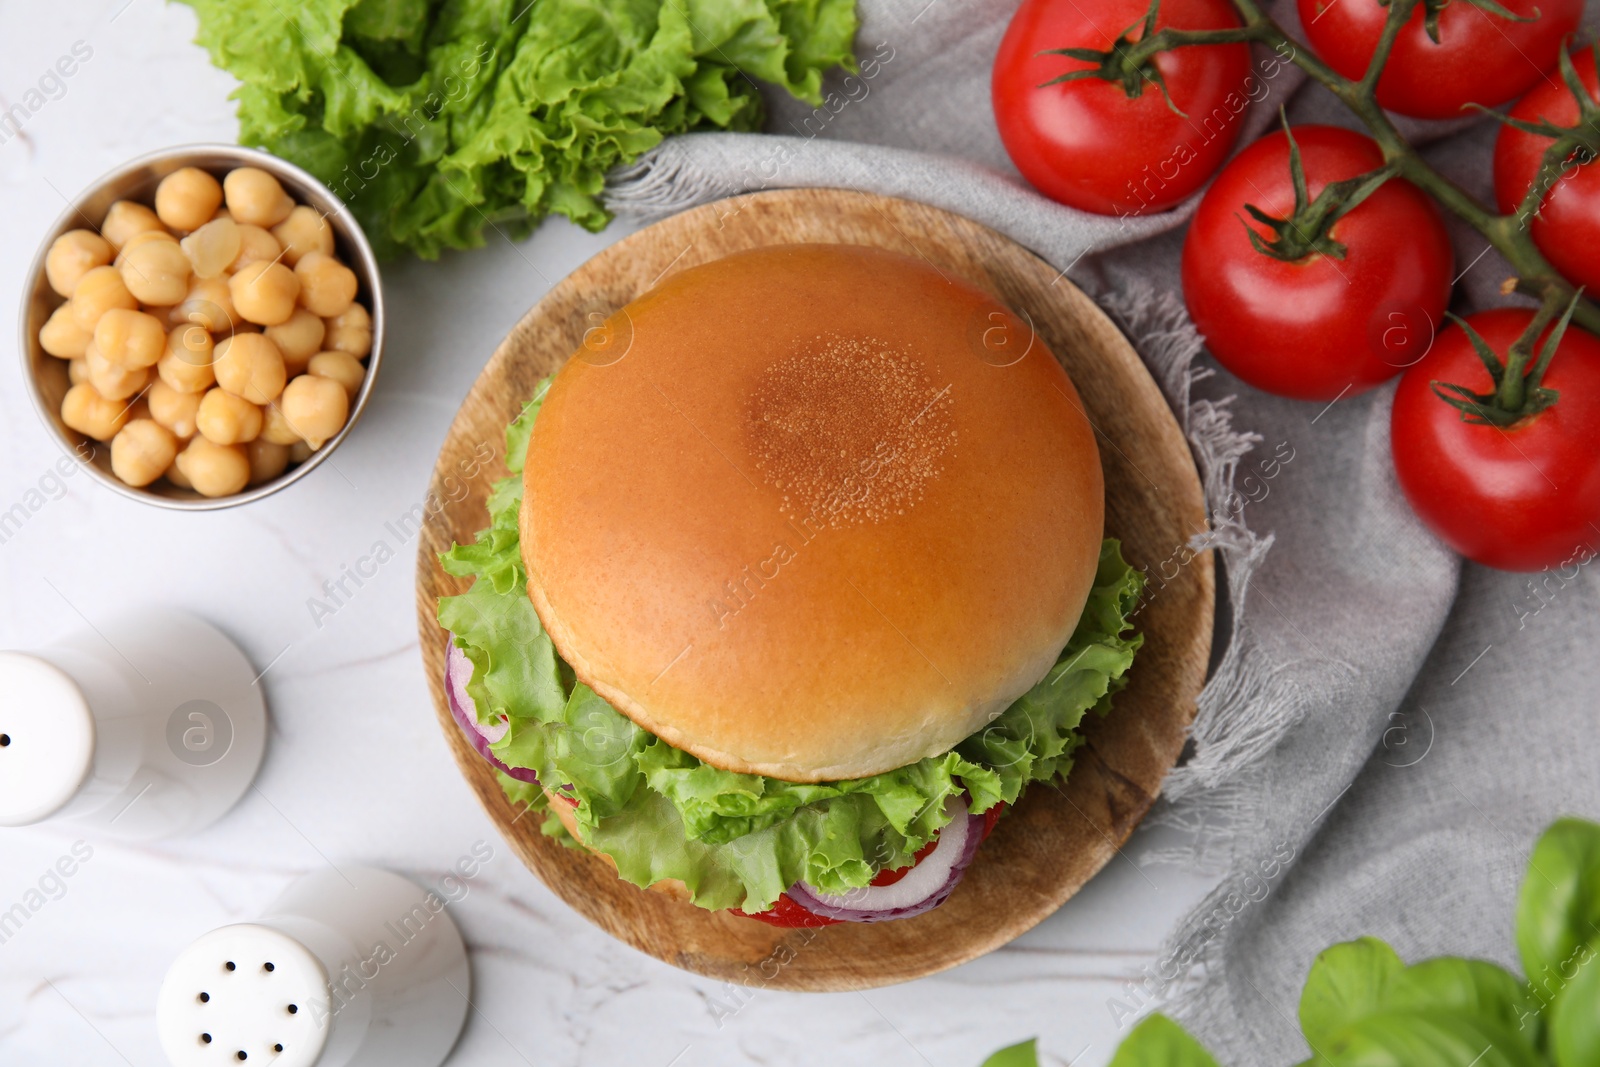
x,y
1348,773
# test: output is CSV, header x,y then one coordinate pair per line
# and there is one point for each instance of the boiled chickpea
x,y
62,337
350,332
213,469
212,247
299,452
177,477
326,286
265,292
298,339
174,409
255,197
140,407
276,428
98,291
77,371
142,451
192,344
91,414
186,198
226,419
267,460
340,367
112,381
130,339
124,219
209,303
187,365
315,408
255,246
249,366
144,238
71,255
156,272
184,376
305,230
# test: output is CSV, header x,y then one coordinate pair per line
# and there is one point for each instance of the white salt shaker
x,y
349,968
149,726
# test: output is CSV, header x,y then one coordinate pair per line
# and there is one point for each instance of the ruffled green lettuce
x,y
738,840
436,120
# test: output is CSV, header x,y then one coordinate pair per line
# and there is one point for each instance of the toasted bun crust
x,y
811,511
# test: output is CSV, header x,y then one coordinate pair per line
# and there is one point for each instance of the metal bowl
x,y
137,180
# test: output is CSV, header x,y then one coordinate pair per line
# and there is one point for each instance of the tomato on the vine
x,y
1520,497
1480,57
1567,226
1358,307
1086,143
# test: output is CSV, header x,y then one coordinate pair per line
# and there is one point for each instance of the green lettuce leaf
x,y
739,840
437,121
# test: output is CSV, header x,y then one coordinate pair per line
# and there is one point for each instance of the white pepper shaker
x,y
356,967
150,725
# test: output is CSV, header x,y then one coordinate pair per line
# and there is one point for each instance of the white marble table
x,y
356,769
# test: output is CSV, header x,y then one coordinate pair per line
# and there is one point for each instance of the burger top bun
x,y
811,511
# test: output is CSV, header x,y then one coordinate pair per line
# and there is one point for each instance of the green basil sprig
x,y
1363,1006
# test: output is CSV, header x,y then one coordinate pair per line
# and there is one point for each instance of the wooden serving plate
x,y
1057,837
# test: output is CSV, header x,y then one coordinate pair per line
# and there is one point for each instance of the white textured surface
x,y
356,770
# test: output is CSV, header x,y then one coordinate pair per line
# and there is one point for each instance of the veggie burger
x,y
798,581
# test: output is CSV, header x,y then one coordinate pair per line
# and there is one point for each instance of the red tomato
x,y
888,877
1480,58
1520,498
1085,143
991,817
1567,228
1318,327
789,915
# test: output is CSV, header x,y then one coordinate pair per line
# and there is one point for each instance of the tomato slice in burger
x,y
991,817
786,913
891,877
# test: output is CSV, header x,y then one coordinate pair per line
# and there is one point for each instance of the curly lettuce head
x,y
437,121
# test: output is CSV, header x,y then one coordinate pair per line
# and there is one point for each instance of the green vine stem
x,y
1508,234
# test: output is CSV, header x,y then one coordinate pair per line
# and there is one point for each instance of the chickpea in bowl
x,y
204,323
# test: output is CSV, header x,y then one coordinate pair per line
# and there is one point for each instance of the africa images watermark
x,y
1544,587
1253,488
339,591
853,89
1156,979
46,489
1221,121
457,86
737,593
50,886
354,975
47,88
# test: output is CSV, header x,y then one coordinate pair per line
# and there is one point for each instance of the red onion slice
x,y
457,672
924,888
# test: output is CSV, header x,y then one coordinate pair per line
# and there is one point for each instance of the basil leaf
x,y
1558,909
1160,1042
1476,988
1574,1038
1431,1037
1347,982
1024,1054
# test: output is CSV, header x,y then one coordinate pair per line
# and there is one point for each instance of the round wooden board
x,y
1056,838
